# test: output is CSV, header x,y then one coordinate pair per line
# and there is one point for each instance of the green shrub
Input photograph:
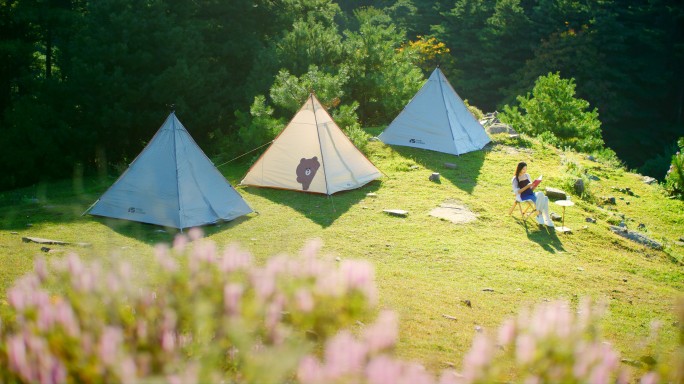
x,y
345,118
609,157
477,112
674,180
556,116
257,128
520,141
574,171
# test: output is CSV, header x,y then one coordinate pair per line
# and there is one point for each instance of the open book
x,y
536,181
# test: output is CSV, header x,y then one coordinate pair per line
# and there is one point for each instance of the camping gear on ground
x,y
312,154
171,183
436,119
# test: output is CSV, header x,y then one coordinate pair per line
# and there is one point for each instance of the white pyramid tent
x,y
171,183
312,154
436,119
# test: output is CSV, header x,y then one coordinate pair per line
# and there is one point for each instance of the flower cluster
x,y
550,344
367,359
205,315
217,316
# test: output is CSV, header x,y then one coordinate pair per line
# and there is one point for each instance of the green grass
x,y
425,267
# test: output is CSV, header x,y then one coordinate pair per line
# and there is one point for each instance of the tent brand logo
x,y
306,170
416,141
136,210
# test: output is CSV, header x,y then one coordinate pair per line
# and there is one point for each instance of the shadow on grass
x,y
546,237
58,202
321,209
152,234
468,165
64,202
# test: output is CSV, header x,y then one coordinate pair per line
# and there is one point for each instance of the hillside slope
x,y
425,267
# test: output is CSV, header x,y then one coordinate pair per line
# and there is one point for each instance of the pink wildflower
x,y
233,260
125,271
18,361
127,370
87,343
650,378
305,301
415,374
203,251
56,372
108,347
310,371
330,283
168,341
479,356
525,348
40,267
359,275
195,234
179,243
274,312
383,333
449,376
64,315
264,284
164,258
74,265
582,360
232,294
312,248
507,332
344,355
141,329
17,298
383,370
277,265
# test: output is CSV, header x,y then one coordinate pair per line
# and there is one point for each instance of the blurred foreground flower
x,y
211,316
207,316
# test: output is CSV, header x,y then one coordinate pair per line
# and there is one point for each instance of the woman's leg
x,y
543,207
535,199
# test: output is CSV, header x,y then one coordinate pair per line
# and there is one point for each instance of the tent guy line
x,y
246,153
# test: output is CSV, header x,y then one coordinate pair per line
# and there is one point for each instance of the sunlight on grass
x,y
426,268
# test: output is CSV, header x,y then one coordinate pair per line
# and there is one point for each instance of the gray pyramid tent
x,y
312,154
436,119
171,183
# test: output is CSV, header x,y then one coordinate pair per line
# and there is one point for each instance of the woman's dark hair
x,y
521,165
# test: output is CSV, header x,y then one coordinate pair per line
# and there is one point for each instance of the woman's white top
x,y
515,184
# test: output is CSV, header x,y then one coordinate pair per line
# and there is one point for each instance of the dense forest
x,y
84,84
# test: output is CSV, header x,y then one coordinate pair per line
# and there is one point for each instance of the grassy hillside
x,y
425,267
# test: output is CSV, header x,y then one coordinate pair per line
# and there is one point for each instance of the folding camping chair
x,y
530,208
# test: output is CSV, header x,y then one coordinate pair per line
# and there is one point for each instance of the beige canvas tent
x,y
312,154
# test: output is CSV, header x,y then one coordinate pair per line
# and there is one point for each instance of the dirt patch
x,y
454,211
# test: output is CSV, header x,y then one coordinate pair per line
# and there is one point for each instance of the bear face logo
x,y
306,170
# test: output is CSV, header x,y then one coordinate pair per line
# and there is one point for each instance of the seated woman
x,y
522,185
